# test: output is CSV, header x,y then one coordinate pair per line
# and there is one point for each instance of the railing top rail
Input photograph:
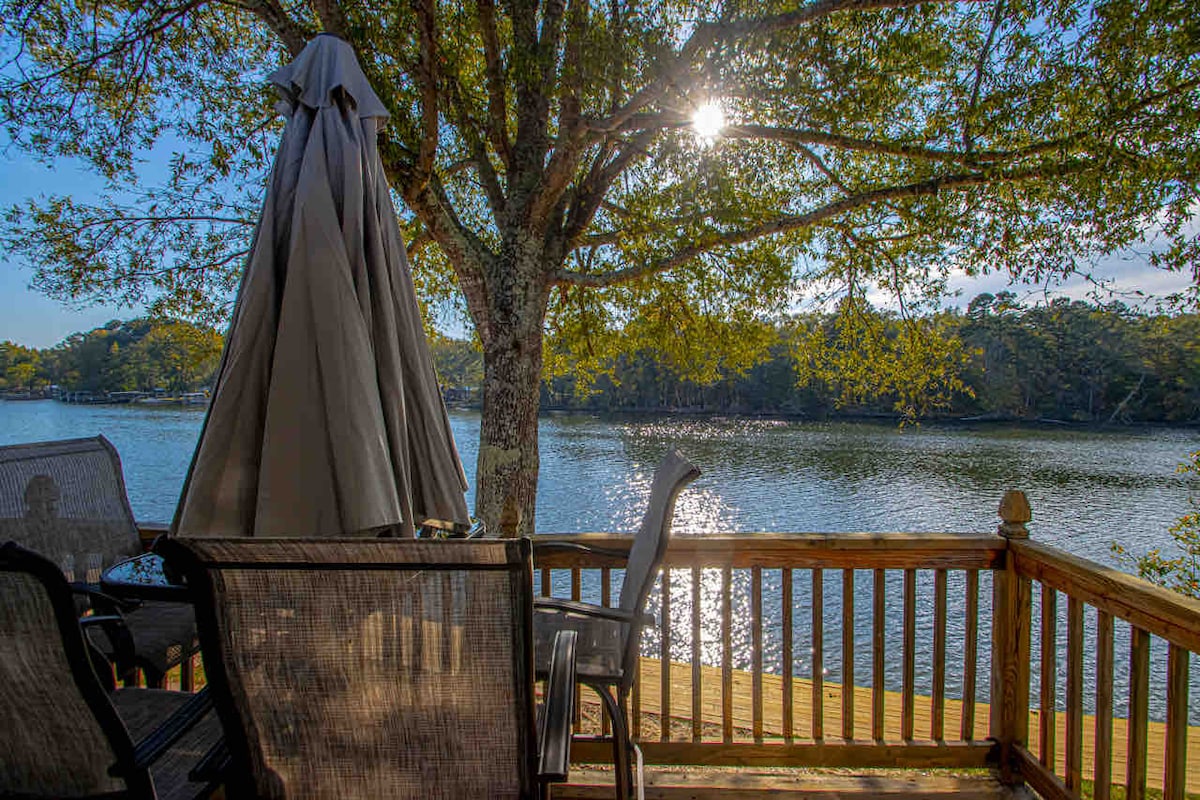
x,y
795,550
1158,611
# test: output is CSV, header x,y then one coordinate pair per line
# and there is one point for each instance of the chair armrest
x,y
589,610
582,548
554,746
103,601
147,751
123,652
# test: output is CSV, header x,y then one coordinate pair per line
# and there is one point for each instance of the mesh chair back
x,y
369,668
67,499
58,731
650,544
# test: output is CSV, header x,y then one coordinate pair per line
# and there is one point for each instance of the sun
x,y
708,121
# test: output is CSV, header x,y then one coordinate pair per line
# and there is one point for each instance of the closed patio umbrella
x,y
326,418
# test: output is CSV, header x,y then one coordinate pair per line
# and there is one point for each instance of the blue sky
x,y
26,316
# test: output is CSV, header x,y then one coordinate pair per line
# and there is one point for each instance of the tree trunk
x,y
506,474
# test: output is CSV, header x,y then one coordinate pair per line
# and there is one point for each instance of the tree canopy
x,y
138,355
555,186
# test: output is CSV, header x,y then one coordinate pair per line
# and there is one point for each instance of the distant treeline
x,y
1067,361
138,355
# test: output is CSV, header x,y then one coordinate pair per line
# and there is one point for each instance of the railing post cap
x,y
1014,510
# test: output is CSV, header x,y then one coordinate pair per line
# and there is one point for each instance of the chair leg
x,y
154,678
622,764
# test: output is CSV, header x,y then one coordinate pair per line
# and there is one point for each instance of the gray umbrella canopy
x,y
326,419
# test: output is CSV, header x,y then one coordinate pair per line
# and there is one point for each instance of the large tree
x,y
551,171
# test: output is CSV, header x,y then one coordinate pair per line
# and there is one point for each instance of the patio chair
x,y
609,638
63,732
374,668
66,500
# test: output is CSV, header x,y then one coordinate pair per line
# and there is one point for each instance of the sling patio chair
x,y
66,500
66,731
372,668
607,649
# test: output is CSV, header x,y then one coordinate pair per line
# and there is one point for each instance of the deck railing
x,y
1065,749
899,650
904,650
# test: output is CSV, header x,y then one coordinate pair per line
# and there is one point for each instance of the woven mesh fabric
x,y
66,498
375,682
50,742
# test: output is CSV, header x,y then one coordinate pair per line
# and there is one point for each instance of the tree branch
x,y
497,128
468,130
788,223
331,16
427,82
707,34
590,196
980,64
292,34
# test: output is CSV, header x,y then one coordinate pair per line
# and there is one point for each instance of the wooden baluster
x,y
1074,743
1011,611
577,595
1137,730
847,654
818,654
788,700
1102,768
726,655
908,698
878,641
756,651
545,583
1049,689
937,722
1175,777
970,656
697,689
664,675
606,601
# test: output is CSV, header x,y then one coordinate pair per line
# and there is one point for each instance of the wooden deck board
x,y
745,784
772,719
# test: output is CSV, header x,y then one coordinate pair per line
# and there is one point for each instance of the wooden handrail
x,y
796,550
1156,610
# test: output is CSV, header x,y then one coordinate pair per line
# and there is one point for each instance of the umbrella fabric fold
x,y
326,417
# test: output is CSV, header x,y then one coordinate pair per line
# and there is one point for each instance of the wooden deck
x,y
711,705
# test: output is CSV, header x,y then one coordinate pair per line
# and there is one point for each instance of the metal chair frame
x,y
547,763
645,557
132,759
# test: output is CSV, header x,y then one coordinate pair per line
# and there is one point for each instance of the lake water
x,y
1087,490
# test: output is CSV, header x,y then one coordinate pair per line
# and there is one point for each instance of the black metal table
x,y
144,577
